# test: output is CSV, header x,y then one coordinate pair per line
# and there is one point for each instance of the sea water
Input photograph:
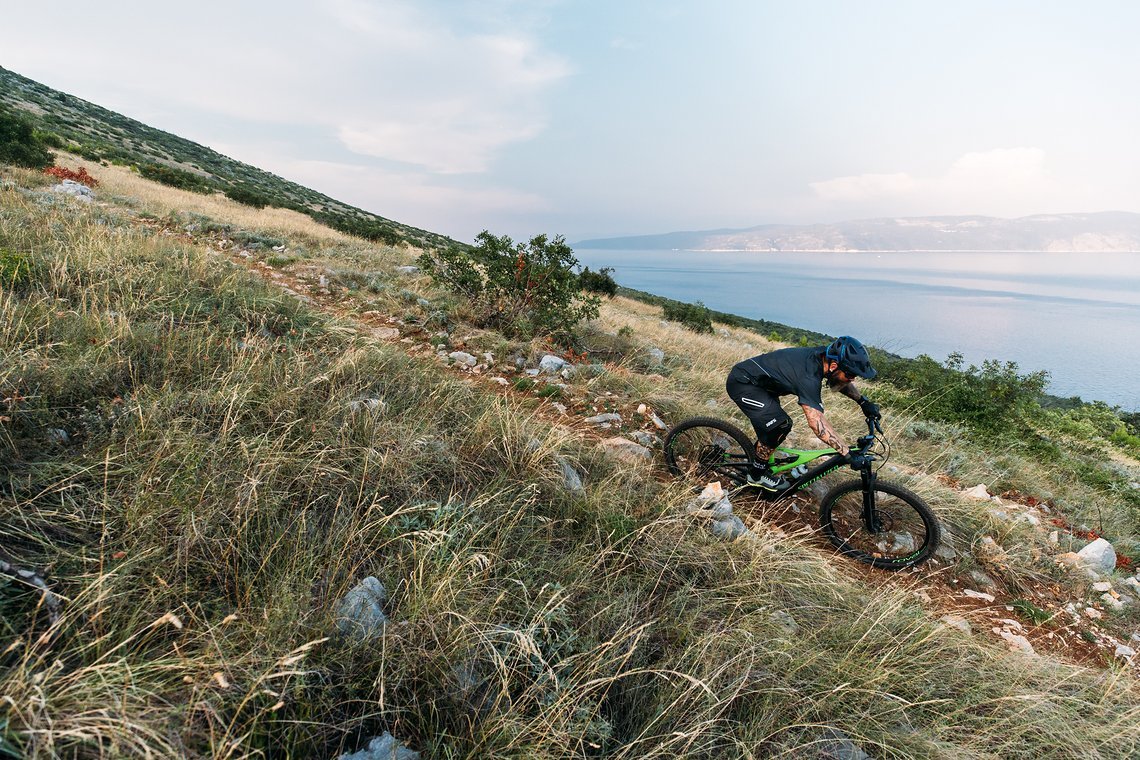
x,y
1076,315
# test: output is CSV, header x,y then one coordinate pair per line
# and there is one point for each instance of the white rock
x,y
981,578
571,480
1102,586
657,423
977,492
728,528
977,595
386,333
642,409
462,357
361,613
1093,613
1099,555
1055,538
626,450
657,355
551,363
407,270
75,189
599,419
560,407
1123,650
958,622
1017,643
1111,602
382,748
500,380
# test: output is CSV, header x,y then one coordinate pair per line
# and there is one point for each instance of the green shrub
x,y
601,281
370,229
168,175
987,398
50,139
248,196
19,144
523,289
694,316
15,268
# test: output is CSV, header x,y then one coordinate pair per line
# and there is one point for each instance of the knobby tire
x,y
903,513
705,448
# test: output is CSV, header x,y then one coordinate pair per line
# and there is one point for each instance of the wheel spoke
x,y
903,536
705,453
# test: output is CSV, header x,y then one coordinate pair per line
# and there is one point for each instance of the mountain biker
x,y
756,384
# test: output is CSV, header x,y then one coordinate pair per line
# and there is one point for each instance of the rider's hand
x,y
870,409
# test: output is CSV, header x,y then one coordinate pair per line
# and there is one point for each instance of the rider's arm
x,y
850,391
822,428
870,408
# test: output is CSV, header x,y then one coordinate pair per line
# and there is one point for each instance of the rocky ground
x,y
1069,620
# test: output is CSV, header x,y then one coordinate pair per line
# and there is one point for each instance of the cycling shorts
x,y
762,408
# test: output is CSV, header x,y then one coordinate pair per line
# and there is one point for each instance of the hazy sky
x,y
599,117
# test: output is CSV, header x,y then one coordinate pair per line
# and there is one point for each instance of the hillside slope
x,y
101,135
217,422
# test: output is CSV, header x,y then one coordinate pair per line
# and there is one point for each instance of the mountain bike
x,y
877,522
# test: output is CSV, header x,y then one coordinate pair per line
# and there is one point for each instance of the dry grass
x,y
218,495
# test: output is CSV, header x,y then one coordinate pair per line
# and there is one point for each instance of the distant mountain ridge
x,y
1094,232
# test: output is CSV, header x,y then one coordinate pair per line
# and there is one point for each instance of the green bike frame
x,y
784,459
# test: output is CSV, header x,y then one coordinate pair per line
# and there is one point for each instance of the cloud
x,y
420,83
408,196
1003,180
863,187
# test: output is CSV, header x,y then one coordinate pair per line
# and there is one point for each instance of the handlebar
x,y
858,457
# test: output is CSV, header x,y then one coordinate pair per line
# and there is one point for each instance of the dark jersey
x,y
786,372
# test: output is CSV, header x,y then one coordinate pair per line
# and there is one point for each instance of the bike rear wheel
x,y
909,535
705,449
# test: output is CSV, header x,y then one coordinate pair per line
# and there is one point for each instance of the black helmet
x,y
851,357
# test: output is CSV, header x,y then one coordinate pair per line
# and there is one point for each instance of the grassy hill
x,y
103,136
215,421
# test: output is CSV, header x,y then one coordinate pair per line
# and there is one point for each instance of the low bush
x,y
183,180
988,399
248,196
523,289
694,316
19,144
601,281
15,268
81,176
370,229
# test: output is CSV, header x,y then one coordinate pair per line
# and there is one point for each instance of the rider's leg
x,y
762,409
774,433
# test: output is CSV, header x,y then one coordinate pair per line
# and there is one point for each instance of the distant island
x,y
1079,233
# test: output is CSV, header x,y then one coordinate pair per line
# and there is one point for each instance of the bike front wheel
x,y
705,449
909,531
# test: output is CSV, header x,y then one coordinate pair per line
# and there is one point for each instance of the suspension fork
x,y
870,516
